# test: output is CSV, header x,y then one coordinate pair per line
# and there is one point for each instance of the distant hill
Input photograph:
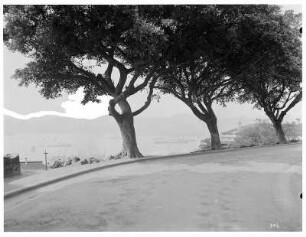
x,y
178,125
173,126
56,124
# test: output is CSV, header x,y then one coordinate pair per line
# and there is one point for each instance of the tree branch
x,y
121,83
296,100
108,84
134,78
203,74
81,70
112,110
197,113
132,91
280,94
202,108
94,79
108,71
111,59
286,101
149,98
277,113
220,93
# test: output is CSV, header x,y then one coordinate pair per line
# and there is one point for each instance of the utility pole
x,y
46,159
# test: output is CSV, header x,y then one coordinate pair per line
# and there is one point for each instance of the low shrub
x,y
93,160
205,144
261,133
62,163
57,164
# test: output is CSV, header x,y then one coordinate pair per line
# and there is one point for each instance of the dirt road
x,y
245,190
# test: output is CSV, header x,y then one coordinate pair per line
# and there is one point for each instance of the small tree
x,y
61,39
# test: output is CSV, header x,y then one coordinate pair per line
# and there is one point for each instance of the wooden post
x,y
46,159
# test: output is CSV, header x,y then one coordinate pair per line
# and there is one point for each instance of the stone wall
x,y
11,165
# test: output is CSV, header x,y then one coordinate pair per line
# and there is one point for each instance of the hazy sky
x,y
28,101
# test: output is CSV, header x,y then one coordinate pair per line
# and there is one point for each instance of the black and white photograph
x,y
152,117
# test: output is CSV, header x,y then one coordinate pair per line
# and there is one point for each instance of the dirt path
x,y
247,190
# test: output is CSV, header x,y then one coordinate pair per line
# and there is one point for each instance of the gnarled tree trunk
x,y
280,132
129,144
208,116
214,133
126,125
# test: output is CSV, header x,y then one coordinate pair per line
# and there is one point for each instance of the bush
x,y
93,160
293,131
57,164
205,144
261,133
62,163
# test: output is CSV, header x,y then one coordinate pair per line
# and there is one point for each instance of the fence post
x,y
46,159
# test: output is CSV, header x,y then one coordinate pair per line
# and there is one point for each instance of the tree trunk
x,y
126,125
214,133
280,132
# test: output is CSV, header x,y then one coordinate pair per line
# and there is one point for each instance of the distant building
x,y
32,165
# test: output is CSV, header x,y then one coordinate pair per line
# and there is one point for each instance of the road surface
x,y
246,190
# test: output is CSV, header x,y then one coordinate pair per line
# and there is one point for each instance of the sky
x,y
25,103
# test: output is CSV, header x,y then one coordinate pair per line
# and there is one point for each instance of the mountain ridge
x,y
180,124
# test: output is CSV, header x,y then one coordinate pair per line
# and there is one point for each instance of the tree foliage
x,y
267,62
199,53
60,39
195,72
199,68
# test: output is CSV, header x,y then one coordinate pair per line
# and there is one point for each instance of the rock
x,y
84,162
76,159
68,162
57,164
93,160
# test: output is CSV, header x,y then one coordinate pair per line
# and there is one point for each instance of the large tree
x,y
197,73
267,63
198,85
61,40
